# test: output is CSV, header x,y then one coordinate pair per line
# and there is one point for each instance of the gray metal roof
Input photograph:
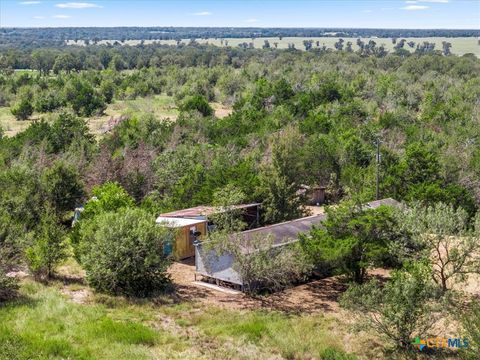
x,y
285,231
288,231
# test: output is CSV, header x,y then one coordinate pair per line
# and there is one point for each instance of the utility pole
x,y
378,169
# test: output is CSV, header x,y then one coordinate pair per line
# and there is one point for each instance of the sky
x,y
438,14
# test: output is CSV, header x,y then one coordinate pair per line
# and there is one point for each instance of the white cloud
x,y
61,16
367,11
414,7
29,2
39,17
411,2
202,13
77,5
251,20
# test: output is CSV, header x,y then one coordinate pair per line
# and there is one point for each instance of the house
x,y
185,233
220,267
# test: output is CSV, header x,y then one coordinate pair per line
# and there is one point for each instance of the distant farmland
x,y
460,45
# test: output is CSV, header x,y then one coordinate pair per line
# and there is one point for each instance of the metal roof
x,y
177,222
288,231
205,210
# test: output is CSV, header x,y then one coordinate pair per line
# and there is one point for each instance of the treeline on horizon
x,y
56,37
193,54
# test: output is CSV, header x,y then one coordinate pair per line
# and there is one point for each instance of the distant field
x,y
460,45
161,106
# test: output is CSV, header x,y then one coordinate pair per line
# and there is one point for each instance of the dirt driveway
x,y
316,296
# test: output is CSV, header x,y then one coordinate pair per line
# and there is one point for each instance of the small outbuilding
x,y
314,195
250,213
185,233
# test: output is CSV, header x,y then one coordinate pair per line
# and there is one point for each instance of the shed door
x,y
190,239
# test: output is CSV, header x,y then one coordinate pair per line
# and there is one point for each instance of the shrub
x,y
334,354
123,253
49,101
49,248
198,103
68,129
260,264
398,310
23,109
449,242
13,236
84,98
107,197
8,286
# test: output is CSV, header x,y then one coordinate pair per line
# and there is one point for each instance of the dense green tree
x,y
280,180
353,239
49,247
84,98
43,60
23,109
107,198
124,254
65,62
48,102
198,103
66,130
62,187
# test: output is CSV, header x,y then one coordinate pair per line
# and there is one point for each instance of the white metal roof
x,y
177,222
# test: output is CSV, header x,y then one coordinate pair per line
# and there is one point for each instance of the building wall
x,y
184,247
216,266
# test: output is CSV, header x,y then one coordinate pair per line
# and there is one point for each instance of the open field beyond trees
x,y
460,45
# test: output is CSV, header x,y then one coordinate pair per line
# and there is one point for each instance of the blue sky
x,y
452,14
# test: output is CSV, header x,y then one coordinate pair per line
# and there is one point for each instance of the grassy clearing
x,y
43,323
9,124
460,45
161,106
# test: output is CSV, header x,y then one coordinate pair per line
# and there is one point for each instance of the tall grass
x,y
293,337
46,325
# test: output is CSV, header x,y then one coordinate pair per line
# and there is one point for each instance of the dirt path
x,y
316,296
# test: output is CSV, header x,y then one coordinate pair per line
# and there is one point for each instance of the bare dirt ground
x,y
316,296
221,110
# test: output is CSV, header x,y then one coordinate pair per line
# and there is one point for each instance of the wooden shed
x,y
186,231
250,213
